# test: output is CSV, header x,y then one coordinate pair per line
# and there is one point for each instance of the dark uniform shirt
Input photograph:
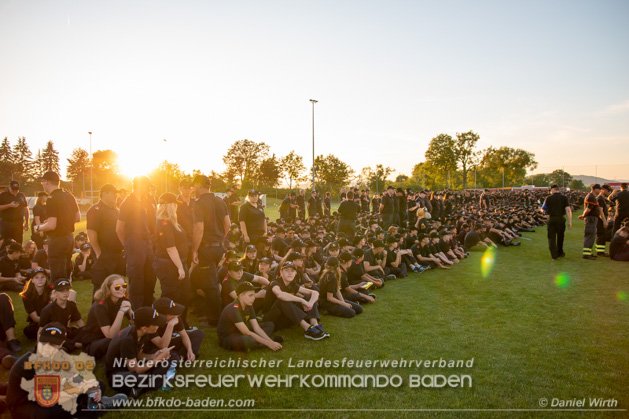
x,y
591,202
35,303
124,346
232,314
13,215
134,214
211,211
271,298
328,284
63,207
348,210
388,204
39,210
280,245
169,236
621,199
53,312
102,219
185,217
41,258
101,314
253,218
556,204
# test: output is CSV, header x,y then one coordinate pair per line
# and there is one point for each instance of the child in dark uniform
x,y
63,311
35,296
331,298
238,327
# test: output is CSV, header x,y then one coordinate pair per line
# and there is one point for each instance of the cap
x,y
596,186
108,188
54,333
253,192
333,246
42,194
15,185
391,239
234,266
332,262
231,254
244,287
86,246
251,248
165,305
167,198
185,183
287,265
294,256
607,187
37,271
265,260
201,180
148,316
377,244
345,257
62,284
51,176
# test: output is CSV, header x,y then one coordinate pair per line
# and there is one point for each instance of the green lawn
x,y
536,328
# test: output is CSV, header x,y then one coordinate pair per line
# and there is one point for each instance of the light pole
x,y
313,153
91,171
165,172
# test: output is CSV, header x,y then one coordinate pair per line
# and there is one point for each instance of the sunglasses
x,y
117,287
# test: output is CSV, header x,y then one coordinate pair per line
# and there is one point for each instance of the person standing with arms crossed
x,y
557,206
211,225
62,211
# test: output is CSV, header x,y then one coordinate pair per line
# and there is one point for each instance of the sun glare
x,y
132,164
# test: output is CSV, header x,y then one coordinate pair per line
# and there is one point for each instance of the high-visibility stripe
x,y
587,251
591,203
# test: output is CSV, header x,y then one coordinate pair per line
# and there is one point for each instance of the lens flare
x,y
621,295
562,280
487,262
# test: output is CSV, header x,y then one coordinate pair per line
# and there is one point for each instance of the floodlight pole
x,y
313,101
91,171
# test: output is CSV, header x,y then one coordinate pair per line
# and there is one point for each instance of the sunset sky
x,y
551,77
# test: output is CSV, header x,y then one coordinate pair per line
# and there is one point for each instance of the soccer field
x,y
537,330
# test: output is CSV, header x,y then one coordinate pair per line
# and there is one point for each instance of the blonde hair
x,y
28,244
331,270
168,212
105,289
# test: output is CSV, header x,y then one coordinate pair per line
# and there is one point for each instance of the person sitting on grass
x,y
331,298
249,260
236,275
10,277
284,308
424,255
238,327
356,273
64,311
35,296
356,293
104,319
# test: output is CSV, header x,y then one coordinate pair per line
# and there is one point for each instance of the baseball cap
x,y
167,198
54,333
596,186
294,256
185,183
62,284
234,266
108,188
15,185
231,254
244,287
288,265
377,244
165,305
37,271
50,176
332,262
265,260
253,192
344,257
201,180
147,316
251,248
86,246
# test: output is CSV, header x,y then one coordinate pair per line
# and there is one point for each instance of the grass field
x,y
536,328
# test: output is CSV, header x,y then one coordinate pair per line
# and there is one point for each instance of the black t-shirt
x,y
41,258
328,284
102,314
312,205
228,285
253,218
102,219
621,199
9,268
135,216
169,236
185,217
391,257
355,272
53,312
327,204
78,261
301,202
62,206
270,298
471,239
39,210
591,202
233,209
35,303
124,346
285,206
162,329
232,314
617,245
280,245
348,210
211,211
12,215
388,204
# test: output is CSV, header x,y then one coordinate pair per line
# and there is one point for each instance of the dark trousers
x,y
242,343
589,236
108,263
30,331
196,338
348,227
285,314
59,253
209,257
13,230
174,288
158,371
387,220
97,348
339,310
556,230
618,221
7,318
601,237
139,255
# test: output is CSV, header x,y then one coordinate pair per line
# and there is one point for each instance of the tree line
x,y
449,162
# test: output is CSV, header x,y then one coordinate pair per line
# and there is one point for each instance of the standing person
x,y
402,206
102,218
252,219
301,202
387,207
557,206
484,200
319,204
234,204
591,213
134,233
348,211
601,232
327,204
312,204
62,211
185,216
375,203
211,225
39,217
14,213
171,250
621,200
